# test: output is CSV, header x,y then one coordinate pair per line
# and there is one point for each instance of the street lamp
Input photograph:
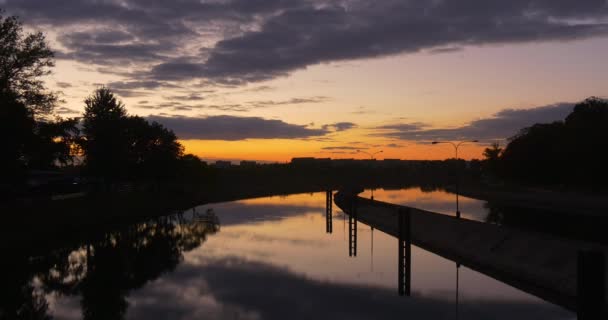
x,y
371,157
456,145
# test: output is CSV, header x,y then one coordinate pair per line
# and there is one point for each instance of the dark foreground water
x,y
266,258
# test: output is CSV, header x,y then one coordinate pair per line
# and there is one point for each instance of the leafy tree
x,y
120,146
569,152
35,140
17,124
104,139
24,59
492,157
154,150
54,143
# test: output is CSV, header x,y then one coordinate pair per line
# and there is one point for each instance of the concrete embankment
x,y
537,263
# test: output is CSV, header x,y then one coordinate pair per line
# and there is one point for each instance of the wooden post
x,y
352,229
329,226
404,256
591,282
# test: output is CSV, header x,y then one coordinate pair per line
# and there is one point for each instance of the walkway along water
x,y
537,263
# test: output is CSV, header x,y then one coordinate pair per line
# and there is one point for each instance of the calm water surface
x,y
271,258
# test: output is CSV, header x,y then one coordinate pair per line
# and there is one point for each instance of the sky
x,y
269,80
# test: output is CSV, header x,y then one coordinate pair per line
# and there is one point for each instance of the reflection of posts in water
x,y
457,205
329,226
372,249
352,230
591,285
405,252
457,290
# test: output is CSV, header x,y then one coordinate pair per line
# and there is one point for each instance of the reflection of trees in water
x,y
578,227
19,298
104,271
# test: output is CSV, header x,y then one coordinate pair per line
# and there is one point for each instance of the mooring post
x,y
352,229
329,212
591,284
405,253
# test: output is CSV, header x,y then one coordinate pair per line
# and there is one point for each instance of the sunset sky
x,y
275,79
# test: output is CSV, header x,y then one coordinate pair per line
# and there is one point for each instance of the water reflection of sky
x,y
272,259
436,201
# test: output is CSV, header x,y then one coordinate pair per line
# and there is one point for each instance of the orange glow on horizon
x,y
280,150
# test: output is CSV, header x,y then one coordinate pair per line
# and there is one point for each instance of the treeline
x,y
106,144
569,153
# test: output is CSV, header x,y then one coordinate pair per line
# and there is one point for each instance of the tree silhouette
x,y
36,141
492,157
104,141
24,59
119,146
53,143
569,152
153,149
18,124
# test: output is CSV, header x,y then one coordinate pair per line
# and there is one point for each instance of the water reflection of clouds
x,y
258,237
273,260
234,288
436,201
233,213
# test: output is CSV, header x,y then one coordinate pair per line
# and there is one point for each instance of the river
x,y
265,258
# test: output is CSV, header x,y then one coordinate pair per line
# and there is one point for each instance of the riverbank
x,y
567,203
537,263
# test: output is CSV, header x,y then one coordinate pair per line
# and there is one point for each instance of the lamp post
x,y
456,146
371,157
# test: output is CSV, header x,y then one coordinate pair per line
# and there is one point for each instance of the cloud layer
x,y
502,125
232,128
233,42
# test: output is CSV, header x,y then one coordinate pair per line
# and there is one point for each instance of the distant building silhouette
x,y
222,164
310,161
248,164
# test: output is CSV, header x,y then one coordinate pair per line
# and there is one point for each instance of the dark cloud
x,y
66,110
235,128
233,42
503,124
403,127
339,126
343,148
63,85
310,35
292,101
187,97
181,108
128,85
227,107
234,107
138,88
259,89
